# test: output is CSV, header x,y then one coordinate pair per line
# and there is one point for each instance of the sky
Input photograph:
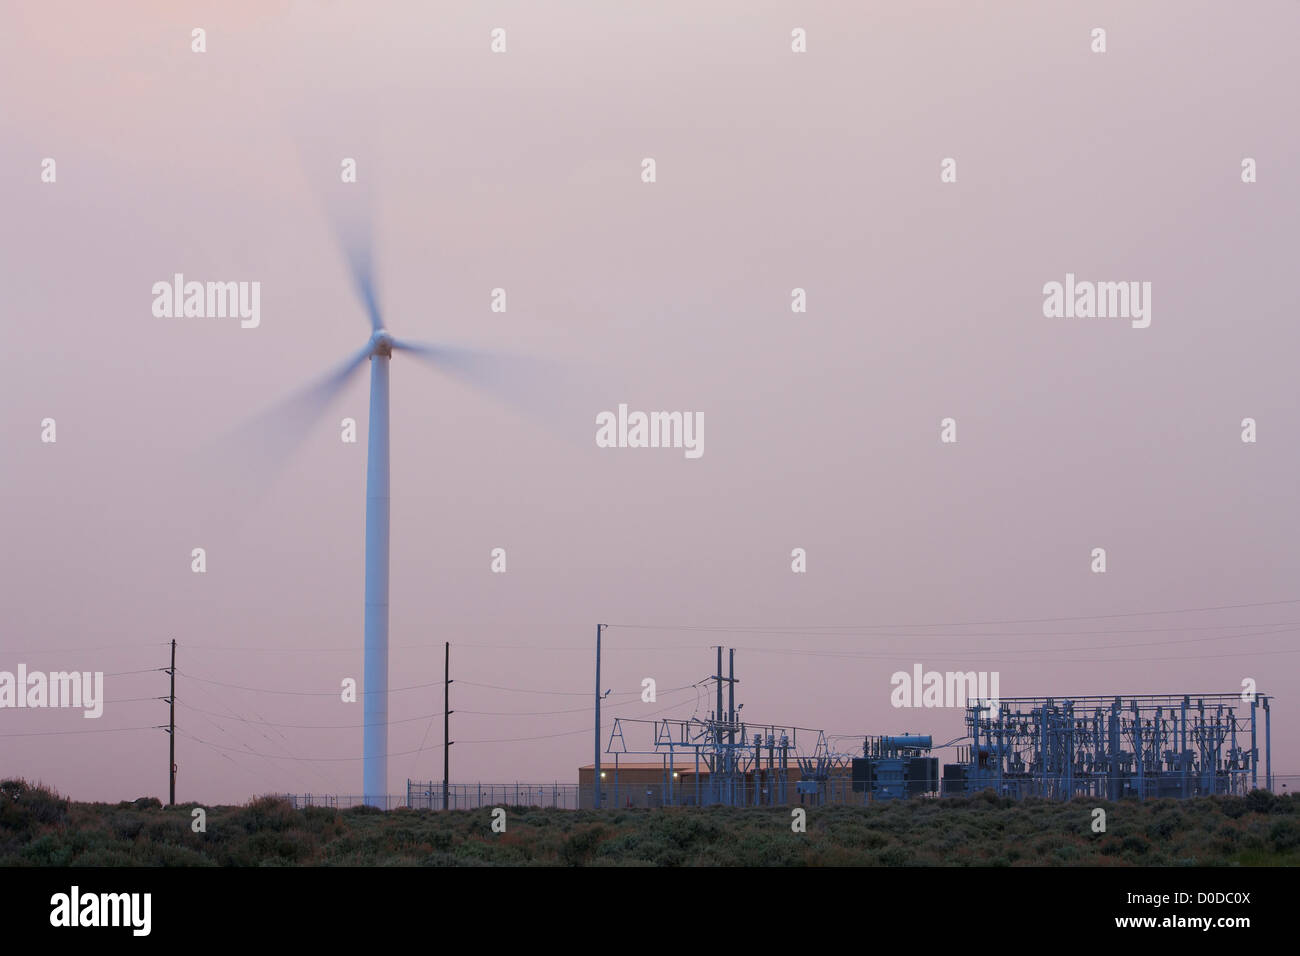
x,y
522,170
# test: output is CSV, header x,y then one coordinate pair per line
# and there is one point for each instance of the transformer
x,y
896,767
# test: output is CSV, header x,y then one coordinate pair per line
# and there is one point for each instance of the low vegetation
x,y
40,828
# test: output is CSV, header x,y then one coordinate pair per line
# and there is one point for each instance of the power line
x,y
404,720
307,760
962,635
68,648
1035,620
268,723
127,700
525,713
572,733
356,649
296,693
564,693
394,690
983,654
570,710
94,730
246,748
407,753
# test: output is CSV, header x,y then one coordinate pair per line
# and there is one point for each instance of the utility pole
x,y
723,760
724,724
171,729
595,777
718,678
731,695
446,720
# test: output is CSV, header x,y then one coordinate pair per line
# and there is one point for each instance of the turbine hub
x,y
381,343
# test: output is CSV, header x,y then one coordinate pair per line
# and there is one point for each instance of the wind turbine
x,y
477,367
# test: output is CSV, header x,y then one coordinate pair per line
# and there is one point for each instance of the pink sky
x,y
521,171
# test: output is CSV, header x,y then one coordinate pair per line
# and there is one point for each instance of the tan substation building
x,y
653,784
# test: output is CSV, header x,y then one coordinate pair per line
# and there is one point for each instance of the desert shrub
x,y
167,855
1110,846
1260,801
1048,844
579,846
25,806
1164,827
47,850
170,828
279,847
895,856
488,852
538,818
1134,845
402,837
126,825
106,856
12,789
1284,835
687,830
651,848
38,827
265,813
760,848
1233,808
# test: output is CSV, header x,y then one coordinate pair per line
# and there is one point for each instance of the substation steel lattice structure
x,y
728,762
1150,745
720,759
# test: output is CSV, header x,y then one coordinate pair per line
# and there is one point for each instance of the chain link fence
x,y
472,796
620,795
338,801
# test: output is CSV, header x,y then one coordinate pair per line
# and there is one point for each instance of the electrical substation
x,y
1107,747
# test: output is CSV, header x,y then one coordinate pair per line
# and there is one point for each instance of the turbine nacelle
x,y
381,343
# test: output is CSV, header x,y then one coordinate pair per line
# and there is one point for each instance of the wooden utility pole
x,y
446,721
171,730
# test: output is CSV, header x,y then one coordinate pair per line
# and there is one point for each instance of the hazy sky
x,y
522,171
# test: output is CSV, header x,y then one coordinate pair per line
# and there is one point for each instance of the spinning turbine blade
x,y
248,457
277,432
295,414
347,208
539,388
478,367
353,234
363,278
349,217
